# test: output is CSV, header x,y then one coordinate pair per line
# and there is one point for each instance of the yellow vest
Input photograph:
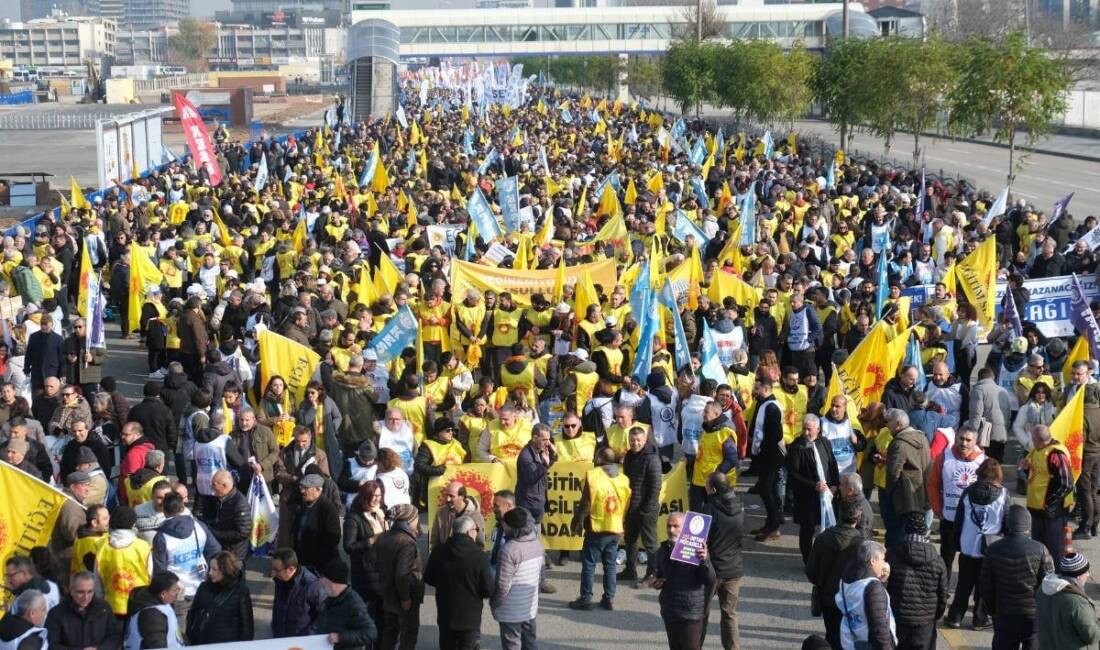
x,y
590,329
122,570
794,409
609,498
437,390
709,456
619,313
471,317
451,453
541,320
83,546
286,262
1038,478
581,449
172,338
144,494
505,327
259,252
614,359
524,380
415,411
507,443
436,332
618,438
586,385
882,444
743,385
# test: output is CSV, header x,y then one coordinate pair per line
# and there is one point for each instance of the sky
x,y
203,8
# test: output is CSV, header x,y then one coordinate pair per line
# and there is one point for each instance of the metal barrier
x,y
53,120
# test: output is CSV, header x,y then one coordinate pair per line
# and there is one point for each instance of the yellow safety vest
x,y
1038,478
743,385
581,449
451,453
122,570
437,332
541,320
415,411
619,313
609,498
172,338
709,456
590,329
882,444
144,494
83,546
523,380
505,327
614,359
437,390
260,252
618,438
471,317
586,385
507,443
794,409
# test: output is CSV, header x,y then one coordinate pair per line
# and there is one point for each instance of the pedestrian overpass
x,y
588,31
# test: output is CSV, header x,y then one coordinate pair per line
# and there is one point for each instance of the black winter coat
x,y
802,477
1012,570
727,528
361,557
227,610
644,471
347,616
459,571
232,524
533,480
918,582
876,607
152,623
317,533
157,423
96,626
298,603
829,556
177,393
684,593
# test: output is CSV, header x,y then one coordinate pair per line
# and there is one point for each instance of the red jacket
x,y
133,459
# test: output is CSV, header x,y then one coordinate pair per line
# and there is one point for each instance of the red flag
x,y
198,140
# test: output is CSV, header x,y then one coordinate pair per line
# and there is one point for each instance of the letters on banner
x,y
522,284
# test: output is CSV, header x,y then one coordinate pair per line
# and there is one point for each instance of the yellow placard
x,y
522,284
27,514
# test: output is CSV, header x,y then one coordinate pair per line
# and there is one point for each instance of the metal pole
x,y
845,15
699,20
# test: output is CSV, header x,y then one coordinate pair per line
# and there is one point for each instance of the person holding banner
x,y
684,589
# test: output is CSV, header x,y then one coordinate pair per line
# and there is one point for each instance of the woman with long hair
x,y
275,410
222,609
366,520
980,514
318,412
393,478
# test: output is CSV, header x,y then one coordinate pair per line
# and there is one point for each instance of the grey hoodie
x,y
519,573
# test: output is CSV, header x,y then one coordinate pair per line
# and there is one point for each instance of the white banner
x,y
316,642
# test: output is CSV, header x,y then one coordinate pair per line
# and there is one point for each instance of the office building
x,y
64,42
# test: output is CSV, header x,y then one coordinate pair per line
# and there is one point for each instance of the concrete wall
x,y
1082,109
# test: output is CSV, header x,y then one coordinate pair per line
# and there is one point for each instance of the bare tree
x,y
695,17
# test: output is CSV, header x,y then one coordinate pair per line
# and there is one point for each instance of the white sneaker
x,y
159,374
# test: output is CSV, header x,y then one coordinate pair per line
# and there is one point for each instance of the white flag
x,y
998,207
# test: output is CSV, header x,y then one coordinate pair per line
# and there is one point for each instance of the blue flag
x,y
1083,320
719,143
1012,314
468,143
645,312
410,161
883,289
712,363
830,177
399,333
700,191
769,145
912,358
685,226
1060,207
368,171
566,116
489,160
508,198
668,298
748,218
641,295
482,216
698,152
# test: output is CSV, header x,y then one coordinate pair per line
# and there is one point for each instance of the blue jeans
x,y
597,547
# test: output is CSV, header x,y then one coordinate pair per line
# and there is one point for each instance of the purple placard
x,y
692,538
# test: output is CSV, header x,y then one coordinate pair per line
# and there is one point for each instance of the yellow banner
x,y
28,512
290,360
1068,428
522,284
978,274
566,480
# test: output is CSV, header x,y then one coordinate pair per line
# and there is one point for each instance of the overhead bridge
x,y
604,30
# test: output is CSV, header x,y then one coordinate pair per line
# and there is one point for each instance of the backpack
x,y
26,285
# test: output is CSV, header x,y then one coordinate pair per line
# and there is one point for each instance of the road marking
x,y
955,639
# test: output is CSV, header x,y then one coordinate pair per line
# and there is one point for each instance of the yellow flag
x,y
519,262
863,375
724,284
631,193
135,173
839,157
1068,428
613,230
707,165
372,205
546,234
582,204
657,266
695,280
541,107
725,197
455,194
836,389
601,127
656,184
1079,352
290,360
412,215
223,231
85,280
977,274
552,187
381,180
423,162
792,142
609,202
298,239
465,114
518,140
66,207
585,295
364,289
414,134
318,143
143,274
402,202
387,274
76,198
559,281
949,282
660,224
28,512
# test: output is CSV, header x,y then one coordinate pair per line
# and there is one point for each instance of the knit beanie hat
x,y
1072,564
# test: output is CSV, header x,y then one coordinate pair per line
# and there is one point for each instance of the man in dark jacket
x,y
399,573
908,462
727,530
354,396
768,451
642,465
344,618
899,389
917,585
83,620
533,472
193,338
317,524
459,571
299,596
217,375
832,551
156,419
1012,571
684,589
44,354
232,519
177,390
811,472
864,601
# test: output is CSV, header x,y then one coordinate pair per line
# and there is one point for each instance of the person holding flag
x,y
1050,496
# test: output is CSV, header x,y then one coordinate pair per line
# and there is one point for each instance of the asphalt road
x,y
1044,179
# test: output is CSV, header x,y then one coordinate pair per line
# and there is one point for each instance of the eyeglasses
x,y
570,426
